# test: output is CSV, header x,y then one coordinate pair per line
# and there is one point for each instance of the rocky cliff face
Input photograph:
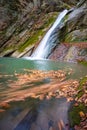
x,y
73,36
77,24
20,20
24,22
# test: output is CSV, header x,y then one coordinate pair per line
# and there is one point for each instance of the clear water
x,y
11,65
17,115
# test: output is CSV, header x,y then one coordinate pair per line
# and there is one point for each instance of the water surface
x,y
17,109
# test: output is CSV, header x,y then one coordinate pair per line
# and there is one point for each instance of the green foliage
x,y
75,110
31,40
37,33
50,21
83,62
82,82
74,114
80,88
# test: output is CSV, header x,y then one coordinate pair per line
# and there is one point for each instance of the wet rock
x,y
59,53
77,35
71,55
18,16
74,36
77,24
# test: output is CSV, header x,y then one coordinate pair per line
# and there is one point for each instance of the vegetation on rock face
x,y
39,85
75,30
37,34
18,16
74,34
32,40
78,113
76,25
74,114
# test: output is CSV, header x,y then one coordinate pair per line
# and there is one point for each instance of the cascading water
x,y
27,97
50,39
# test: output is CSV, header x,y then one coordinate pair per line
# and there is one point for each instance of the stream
x,y
36,93
20,109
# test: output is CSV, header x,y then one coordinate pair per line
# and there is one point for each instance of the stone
x,y
18,17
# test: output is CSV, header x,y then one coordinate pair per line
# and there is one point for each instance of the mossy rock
x,y
83,63
70,37
82,82
80,88
38,33
74,115
30,41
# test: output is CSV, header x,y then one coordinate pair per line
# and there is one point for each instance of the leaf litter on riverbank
x,y
46,85
81,105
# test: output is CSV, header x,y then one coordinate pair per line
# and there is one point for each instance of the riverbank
x,y
41,84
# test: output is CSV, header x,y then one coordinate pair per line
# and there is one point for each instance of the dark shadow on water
x,y
49,114
26,123
46,115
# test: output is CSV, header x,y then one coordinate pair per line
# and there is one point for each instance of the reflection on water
x,y
27,84
48,116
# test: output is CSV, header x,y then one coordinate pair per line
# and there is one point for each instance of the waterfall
x,y
49,39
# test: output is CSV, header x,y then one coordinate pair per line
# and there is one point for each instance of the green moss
x,y
71,38
66,17
83,63
31,40
80,88
8,48
68,37
74,114
78,40
80,94
39,32
50,21
82,82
